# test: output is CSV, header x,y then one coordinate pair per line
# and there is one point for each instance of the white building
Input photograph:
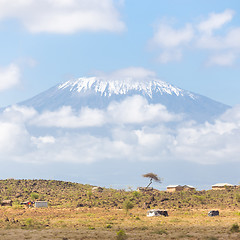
x,y
41,204
221,186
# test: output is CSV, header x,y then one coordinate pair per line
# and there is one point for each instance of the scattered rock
x,y
80,205
144,189
146,205
18,195
164,199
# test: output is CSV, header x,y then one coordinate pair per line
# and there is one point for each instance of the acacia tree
x,y
152,177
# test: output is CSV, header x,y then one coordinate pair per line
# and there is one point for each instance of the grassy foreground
x,y
76,212
99,223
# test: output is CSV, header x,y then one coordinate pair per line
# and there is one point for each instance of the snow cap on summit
x,y
108,87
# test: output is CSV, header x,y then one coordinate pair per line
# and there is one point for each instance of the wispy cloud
x,y
171,41
9,76
168,37
137,73
63,16
215,21
222,59
212,34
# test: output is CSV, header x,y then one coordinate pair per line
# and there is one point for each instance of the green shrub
x,y
89,194
34,195
29,222
237,196
121,235
136,194
160,232
17,205
201,199
235,228
127,205
211,238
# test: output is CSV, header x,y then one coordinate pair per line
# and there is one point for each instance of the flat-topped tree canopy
x,y
152,177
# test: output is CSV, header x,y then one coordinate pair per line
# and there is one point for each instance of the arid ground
x,y
100,223
76,212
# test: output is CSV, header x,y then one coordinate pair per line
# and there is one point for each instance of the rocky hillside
x,y
68,194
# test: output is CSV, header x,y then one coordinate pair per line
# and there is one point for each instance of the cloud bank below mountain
x,y
133,130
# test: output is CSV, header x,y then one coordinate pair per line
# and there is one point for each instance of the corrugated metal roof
x,y
173,186
189,186
222,184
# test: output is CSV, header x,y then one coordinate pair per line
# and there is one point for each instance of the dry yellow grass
x,y
100,223
77,212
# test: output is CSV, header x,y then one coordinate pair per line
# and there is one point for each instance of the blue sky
x,y
43,54
194,45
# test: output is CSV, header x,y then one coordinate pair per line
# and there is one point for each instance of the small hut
x,y
221,186
97,189
174,188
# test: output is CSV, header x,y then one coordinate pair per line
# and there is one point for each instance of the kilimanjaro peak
x,y
108,87
98,92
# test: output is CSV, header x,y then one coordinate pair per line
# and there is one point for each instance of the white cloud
x,y
47,139
215,21
14,139
168,37
222,59
170,55
18,113
9,76
136,110
171,41
131,129
223,46
132,110
65,117
63,16
225,50
132,73
208,144
230,41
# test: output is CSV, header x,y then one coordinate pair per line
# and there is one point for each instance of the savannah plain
x,y
77,212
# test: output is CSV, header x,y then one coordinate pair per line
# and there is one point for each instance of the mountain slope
x,y
95,92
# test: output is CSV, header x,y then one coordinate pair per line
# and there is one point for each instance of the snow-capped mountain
x,y
117,87
98,92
